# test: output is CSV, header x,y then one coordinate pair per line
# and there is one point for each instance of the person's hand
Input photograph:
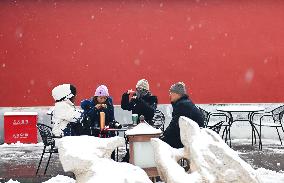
x,y
130,92
104,105
134,97
98,106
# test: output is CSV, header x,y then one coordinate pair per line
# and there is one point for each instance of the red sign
x,y
20,126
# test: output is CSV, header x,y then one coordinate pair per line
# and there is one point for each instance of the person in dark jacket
x,y
101,102
141,101
182,106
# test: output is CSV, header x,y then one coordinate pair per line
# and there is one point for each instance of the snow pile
x,y
60,179
19,144
89,159
211,160
269,176
143,129
12,181
20,113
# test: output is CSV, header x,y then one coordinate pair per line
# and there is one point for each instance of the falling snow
x,y
141,52
191,28
249,75
49,83
19,33
32,82
137,62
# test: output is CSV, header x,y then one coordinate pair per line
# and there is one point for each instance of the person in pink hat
x,y
100,102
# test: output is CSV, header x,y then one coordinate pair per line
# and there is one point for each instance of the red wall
x,y
225,51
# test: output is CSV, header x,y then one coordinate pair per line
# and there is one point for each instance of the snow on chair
x,y
49,143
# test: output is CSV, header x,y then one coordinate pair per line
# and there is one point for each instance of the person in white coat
x,y
64,113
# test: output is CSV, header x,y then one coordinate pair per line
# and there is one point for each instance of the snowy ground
x,y
19,162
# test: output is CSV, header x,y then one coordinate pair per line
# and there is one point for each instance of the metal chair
x,y
158,120
277,116
49,143
217,126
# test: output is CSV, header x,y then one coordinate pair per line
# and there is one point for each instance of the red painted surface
x,y
225,51
20,128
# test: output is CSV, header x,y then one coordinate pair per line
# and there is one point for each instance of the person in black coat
x,y
182,106
141,101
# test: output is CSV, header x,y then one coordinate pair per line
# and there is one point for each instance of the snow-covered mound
x,y
60,179
211,159
89,159
143,129
12,181
269,176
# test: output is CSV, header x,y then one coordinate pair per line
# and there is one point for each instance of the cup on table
x,y
135,119
102,120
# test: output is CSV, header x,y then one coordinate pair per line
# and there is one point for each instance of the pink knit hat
x,y
102,91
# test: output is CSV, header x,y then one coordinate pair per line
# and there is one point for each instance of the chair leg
x,y
282,128
252,131
260,142
279,135
226,134
225,129
254,136
47,163
40,160
230,137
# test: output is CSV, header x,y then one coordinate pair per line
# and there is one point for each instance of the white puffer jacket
x,y
64,112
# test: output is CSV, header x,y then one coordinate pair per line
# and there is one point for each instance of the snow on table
x,y
143,129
